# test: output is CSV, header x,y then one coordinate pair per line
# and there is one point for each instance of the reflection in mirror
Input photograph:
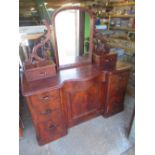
x,y
73,33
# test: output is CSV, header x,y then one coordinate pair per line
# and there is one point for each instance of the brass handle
x,y
46,112
51,126
46,98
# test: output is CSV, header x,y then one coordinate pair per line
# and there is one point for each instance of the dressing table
x,y
83,85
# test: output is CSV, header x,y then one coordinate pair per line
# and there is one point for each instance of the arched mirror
x,y
73,36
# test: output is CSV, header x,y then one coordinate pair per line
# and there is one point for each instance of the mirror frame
x,y
91,46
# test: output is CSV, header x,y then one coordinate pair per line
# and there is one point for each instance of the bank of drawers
x,y
47,116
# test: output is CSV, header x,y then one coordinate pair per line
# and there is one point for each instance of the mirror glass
x,y
72,34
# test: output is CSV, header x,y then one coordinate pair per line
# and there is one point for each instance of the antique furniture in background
x,y
91,84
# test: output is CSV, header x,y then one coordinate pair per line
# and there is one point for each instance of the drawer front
x,y
50,130
109,62
48,99
40,73
49,114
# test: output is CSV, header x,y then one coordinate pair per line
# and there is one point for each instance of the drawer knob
x,y
46,112
46,98
51,126
107,60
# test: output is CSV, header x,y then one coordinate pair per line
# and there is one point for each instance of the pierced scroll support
x,y
40,67
45,44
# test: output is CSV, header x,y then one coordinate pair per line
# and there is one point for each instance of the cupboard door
x,y
82,99
116,88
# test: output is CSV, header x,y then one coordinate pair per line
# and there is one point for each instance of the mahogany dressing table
x,y
63,93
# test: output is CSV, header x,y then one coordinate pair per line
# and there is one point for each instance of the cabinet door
x,y
83,100
116,88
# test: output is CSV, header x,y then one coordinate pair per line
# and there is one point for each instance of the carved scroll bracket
x,y
44,44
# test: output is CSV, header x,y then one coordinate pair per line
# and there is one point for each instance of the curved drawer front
x,y
46,100
49,114
50,130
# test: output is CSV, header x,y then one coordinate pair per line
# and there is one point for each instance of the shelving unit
x,y
118,16
122,16
128,45
122,29
109,16
121,4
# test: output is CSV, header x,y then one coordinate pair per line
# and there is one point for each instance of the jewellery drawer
x,y
109,61
40,72
50,130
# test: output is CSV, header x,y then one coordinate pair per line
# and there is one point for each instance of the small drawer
x,y
109,62
40,72
109,59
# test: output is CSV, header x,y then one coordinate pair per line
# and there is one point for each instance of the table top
x,y
74,74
